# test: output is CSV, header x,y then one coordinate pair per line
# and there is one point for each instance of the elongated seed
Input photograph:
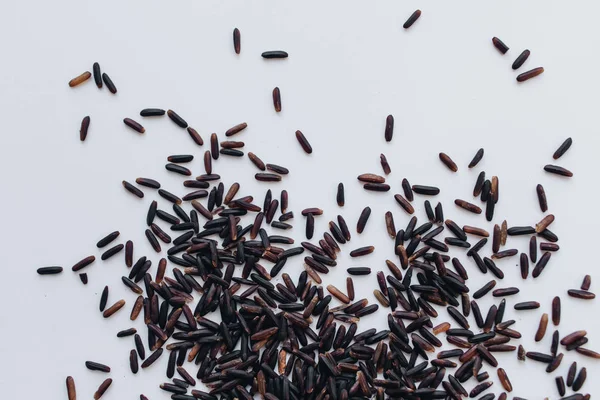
x,y
83,130
467,206
527,305
389,223
445,158
136,126
132,189
472,230
340,198
544,223
581,294
542,198
97,75
562,149
530,74
277,99
555,169
384,164
152,112
541,331
335,292
304,142
580,379
405,204
113,309
274,54
371,178
587,282
173,116
94,366
478,156
361,251
71,391
389,128
426,190
504,381
237,44
78,80
520,60
362,220
109,83
499,44
412,19
103,386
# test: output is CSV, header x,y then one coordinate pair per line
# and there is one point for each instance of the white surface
x,y
351,64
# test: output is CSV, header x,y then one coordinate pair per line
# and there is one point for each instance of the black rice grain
x,y
499,44
412,19
520,60
562,149
177,119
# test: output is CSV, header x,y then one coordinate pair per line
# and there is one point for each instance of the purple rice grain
x,y
524,265
444,158
177,119
152,112
532,73
581,294
587,282
109,83
214,146
580,379
362,220
277,99
237,41
505,253
97,76
562,149
49,270
83,263
83,130
541,193
136,126
405,204
527,305
274,54
195,136
359,270
412,19
425,190
384,164
377,187
467,206
505,292
549,247
555,169
178,169
112,251
478,156
106,384
499,44
541,264
113,309
389,128
541,331
560,385
520,60
533,249
362,251
132,189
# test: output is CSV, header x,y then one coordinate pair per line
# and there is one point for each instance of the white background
x,y
351,64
